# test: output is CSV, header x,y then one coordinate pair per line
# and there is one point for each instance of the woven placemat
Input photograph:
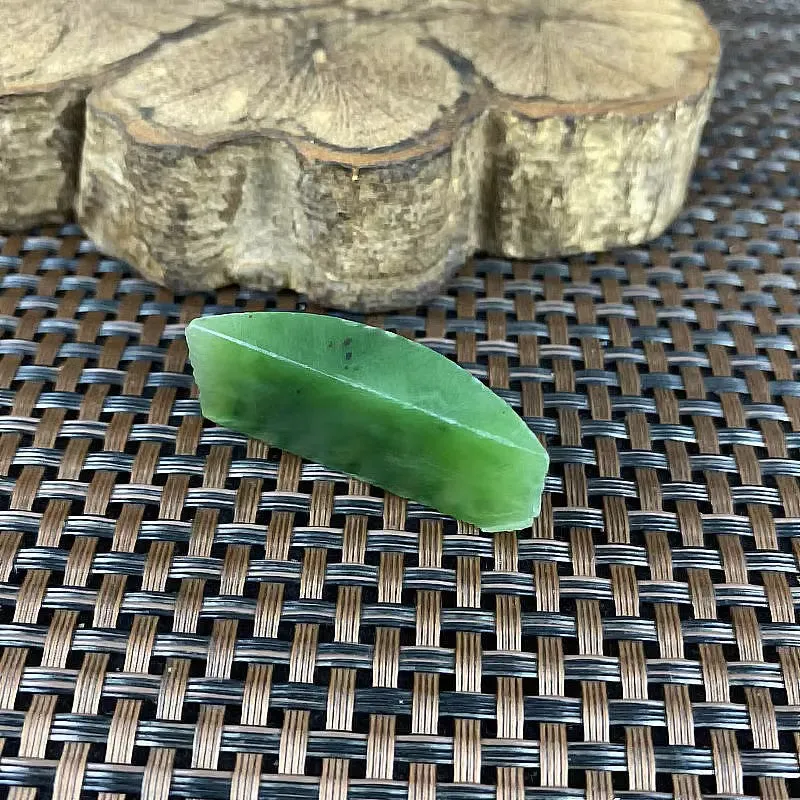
x,y
184,613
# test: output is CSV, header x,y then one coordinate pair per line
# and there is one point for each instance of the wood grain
x,y
52,52
357,151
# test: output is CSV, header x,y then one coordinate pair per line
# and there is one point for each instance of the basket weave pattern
x,y
185,613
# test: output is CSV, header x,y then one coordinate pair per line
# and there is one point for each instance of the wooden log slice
x,y
52,52
360,150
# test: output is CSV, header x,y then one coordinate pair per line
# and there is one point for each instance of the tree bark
x,y
358,151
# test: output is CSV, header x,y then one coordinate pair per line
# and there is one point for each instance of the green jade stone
x,y
372,404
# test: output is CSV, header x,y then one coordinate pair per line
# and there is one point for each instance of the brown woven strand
x,y
188,614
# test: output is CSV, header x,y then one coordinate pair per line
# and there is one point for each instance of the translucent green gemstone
x,y
374,405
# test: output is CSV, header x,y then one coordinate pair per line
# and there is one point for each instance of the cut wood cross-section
x,y
357,151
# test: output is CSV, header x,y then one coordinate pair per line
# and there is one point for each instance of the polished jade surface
x,y
372,404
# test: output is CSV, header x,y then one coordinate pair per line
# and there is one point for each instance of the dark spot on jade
x,y
348,355
347,342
